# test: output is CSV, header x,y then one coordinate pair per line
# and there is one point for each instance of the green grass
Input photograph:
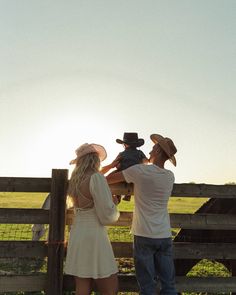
x,y
185,205
176,205
35,200
21,200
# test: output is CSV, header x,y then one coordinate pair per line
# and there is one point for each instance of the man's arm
x,y
115,177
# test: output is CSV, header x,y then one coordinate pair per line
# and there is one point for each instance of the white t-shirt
x,y
152,189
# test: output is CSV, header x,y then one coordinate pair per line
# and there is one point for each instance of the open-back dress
x,y
89,251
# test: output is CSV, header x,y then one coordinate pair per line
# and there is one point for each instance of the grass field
x,y
35,200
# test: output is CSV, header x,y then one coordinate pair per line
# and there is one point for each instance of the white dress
x,y
89,252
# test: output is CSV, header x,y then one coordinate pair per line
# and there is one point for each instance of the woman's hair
x,y
89,161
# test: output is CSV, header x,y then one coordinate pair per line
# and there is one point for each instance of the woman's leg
x,y
107,286
83,286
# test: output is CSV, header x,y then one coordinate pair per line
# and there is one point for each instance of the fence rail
x,y
33,283
178,220
182,250
25,184
202,190
54,282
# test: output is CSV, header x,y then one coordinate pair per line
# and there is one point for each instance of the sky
x,y
87,71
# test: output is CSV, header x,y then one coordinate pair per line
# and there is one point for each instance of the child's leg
x,y
118,196
126,198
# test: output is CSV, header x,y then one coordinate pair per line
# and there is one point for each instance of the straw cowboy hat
x,y
87,148
166,145
131,138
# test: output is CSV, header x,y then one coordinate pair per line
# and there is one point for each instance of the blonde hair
x,y
89,161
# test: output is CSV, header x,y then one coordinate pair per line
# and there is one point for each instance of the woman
x,y
89,255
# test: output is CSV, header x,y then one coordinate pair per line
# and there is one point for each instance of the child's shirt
x,y
129,157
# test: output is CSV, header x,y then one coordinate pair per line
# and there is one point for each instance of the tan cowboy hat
x,y
87,148
167,146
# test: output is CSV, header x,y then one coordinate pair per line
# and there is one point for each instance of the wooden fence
x,y
54,282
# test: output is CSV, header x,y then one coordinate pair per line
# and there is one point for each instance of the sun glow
x,y
57,143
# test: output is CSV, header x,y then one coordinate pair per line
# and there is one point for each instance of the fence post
x,y
56,232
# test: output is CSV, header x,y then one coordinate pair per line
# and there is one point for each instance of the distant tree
x,y
231,183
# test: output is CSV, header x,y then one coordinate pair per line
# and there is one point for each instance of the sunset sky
x,y
87,71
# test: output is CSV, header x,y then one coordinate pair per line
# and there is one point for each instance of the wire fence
x,y
26,266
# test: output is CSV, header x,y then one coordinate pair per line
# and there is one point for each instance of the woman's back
x,y
84,199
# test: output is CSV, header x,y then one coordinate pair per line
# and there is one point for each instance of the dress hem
x,y
92,277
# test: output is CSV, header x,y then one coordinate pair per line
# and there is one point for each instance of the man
x,y
151,224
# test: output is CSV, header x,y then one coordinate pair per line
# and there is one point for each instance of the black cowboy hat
x,y
131,138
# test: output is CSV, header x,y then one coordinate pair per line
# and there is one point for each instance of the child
x,y
131,155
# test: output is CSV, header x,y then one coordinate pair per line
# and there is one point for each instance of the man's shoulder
x,y
135,167
169,172
138,168
157,169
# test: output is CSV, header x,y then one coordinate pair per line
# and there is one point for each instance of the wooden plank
x,y
128,283
25,184
122,188
203,221
122,249
57,231
125,249
29,249
181,250
25,283
125,218
186,190
203,190
178,220
214,251
210,284
24,216
30,184
211,251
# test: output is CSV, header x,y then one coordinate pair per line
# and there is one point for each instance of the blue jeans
x,y
153,261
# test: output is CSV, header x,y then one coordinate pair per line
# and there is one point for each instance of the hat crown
x,y
87,148
131,138
166,145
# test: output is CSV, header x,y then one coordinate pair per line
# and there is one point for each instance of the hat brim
x,y
157,138
138,143
97,148
173,160
100,150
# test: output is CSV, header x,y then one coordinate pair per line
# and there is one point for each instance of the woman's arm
x,y
103,201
